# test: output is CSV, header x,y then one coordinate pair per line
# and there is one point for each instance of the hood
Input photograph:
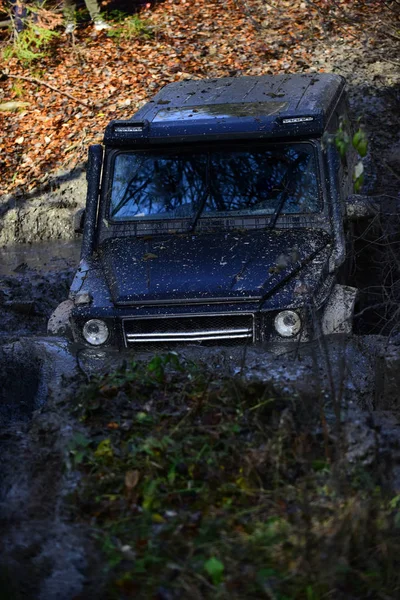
x,y
245,265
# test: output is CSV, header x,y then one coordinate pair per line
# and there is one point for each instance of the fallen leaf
x,y
157,518
13,105
104,449
131,479
150,256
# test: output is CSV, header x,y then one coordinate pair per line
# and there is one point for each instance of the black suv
x,y
217,214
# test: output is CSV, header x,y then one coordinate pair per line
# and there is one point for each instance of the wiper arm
x,y
289,176
203,200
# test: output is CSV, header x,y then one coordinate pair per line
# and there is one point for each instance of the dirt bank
x,y
373,79
44,214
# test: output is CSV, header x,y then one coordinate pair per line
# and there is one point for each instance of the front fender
x,y
59,322
339,310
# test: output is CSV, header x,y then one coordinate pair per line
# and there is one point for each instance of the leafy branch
x,y
359,142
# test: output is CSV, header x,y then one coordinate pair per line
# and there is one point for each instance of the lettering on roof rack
x,y
128,128
297,119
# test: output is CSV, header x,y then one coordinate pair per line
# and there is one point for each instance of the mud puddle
x,y
40,256
34,279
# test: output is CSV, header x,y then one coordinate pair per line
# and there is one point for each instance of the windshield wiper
x,y
203,199
289,176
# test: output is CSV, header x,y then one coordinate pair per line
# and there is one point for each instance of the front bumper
x,y
172,326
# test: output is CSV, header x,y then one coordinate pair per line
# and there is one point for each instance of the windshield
x,y
243,182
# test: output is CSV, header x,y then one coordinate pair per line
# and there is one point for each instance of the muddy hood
x,y
248,265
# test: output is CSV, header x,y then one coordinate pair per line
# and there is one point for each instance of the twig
x,y
39,82
390,8
392,62
371,307
71,147
392,35
248,14
391,170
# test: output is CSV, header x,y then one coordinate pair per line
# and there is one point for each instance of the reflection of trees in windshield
x,y
153,185
163,185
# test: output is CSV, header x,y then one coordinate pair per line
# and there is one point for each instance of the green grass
x,y
211,487
130,27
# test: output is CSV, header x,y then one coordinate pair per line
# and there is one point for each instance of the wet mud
x,y
43,555
34,279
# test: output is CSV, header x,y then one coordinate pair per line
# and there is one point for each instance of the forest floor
x,y
96,77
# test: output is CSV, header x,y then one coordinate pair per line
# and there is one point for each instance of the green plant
x,y
129,28
118,16
18,89
77,450
342,140
31,44
215,569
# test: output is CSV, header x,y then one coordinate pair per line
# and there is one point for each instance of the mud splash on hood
x,y
249,265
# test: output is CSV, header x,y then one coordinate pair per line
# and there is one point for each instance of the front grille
x,y
201,329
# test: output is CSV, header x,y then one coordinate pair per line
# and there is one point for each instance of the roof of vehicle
x,y
262,106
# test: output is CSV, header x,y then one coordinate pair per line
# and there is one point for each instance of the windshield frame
x,y
220,220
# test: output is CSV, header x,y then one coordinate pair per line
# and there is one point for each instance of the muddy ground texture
x,y
46,551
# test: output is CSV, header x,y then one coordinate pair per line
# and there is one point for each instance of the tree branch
x,y
392,35
391,170
39,82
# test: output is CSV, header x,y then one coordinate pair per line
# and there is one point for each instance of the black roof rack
x,y
268,106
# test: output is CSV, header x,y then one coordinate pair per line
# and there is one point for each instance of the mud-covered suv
x,y
218,214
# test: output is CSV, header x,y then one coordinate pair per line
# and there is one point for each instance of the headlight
x,y
95,332
287,323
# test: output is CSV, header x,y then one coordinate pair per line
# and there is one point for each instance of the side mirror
x,y
361,207
79,221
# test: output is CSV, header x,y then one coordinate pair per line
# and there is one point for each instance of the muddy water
x,y
40,256
34,279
